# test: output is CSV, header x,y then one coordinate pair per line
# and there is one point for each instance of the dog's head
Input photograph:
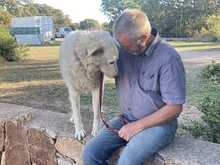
x,y
103,53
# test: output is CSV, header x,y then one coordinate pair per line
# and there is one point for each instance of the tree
x,y
11,6
89,23
112,9
5,18
26,8
60,20
105,26
213,26
45,10
74,26
67,20
173,18
182,18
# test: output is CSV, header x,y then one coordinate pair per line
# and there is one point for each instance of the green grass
x,y
195,46
197,88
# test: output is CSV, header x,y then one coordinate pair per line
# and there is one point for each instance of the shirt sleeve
x,y
173,82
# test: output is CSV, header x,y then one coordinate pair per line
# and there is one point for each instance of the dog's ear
x,y
96,51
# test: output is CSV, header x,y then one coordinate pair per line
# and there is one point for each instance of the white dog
x,y
83,56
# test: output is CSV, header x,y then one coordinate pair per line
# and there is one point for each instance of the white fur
x,y
83,56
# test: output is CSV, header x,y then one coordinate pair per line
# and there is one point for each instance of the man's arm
x,y
159,117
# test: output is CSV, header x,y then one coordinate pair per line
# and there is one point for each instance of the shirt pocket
x,y
148,81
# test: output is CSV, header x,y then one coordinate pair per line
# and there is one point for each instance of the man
x,y
150,91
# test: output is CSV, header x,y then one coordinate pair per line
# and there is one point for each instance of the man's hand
x,y
159,117
128,131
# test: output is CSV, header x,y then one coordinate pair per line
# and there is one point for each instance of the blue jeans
x,y
140,147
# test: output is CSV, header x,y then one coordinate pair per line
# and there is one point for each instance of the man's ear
x,y
144,38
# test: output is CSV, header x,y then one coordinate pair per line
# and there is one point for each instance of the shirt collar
x,y
154,32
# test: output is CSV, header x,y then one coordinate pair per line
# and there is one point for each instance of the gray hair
x,y
133,22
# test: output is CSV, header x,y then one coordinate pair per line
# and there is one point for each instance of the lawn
x,y
36,80
195,46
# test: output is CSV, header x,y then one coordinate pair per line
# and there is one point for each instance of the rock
x,y
62,161
70,148
41,148
186,151
0,156
16,149
2,136
3,159
16,143
26,116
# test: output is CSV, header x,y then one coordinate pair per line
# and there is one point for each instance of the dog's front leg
x,y
95,103
76,117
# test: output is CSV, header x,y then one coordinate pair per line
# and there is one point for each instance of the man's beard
x,y
139,51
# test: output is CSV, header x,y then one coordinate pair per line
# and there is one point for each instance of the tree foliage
x,y
89,23
5,18
213,26
112,9
26,8
173,18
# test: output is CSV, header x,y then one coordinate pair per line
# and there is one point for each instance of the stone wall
x,y
40,137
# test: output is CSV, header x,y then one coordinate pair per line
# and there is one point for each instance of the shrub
x,y
22,50
9,50
203,32
210,128
211,72
213,25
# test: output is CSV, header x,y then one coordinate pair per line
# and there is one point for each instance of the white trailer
x,y
45,24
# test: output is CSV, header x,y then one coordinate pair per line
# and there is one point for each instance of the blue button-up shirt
x,y
150,81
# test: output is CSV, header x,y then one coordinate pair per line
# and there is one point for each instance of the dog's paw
x,y
79,135
72,119
96,128
94,132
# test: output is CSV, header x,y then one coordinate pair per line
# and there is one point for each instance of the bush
x,y
9,50
213,25
211,72
210,129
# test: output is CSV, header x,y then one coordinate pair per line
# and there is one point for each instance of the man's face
x,y
130,45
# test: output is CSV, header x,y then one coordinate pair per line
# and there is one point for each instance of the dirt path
x,y
200,56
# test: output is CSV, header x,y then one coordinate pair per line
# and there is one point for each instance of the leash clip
x,y
113,129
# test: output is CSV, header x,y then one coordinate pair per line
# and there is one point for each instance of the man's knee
x,y
86,154
130,161
90,154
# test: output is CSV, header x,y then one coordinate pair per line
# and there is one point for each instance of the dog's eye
x,y
112,62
